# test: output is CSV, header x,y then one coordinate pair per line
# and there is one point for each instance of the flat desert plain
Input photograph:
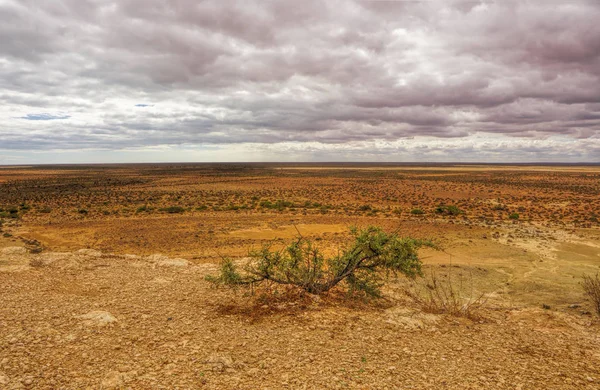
x,y
102,275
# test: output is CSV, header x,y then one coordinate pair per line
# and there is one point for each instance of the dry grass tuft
x,y
591,288
448,295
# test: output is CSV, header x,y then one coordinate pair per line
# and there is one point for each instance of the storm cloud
x,y
311,80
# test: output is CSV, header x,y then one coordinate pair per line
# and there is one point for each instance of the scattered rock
x,y
220,363
97,318
164,261
409,319
89,252
113,380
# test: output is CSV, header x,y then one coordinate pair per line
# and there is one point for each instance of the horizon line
x,y
543,163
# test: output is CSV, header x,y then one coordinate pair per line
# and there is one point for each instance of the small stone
x,y
112,380
97,318
89,252
220,363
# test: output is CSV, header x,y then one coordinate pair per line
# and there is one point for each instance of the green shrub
x,y
514,216
266,204
453,210
449,210
362,266
143,209
417,211
173,209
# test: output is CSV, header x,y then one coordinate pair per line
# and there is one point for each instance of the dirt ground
x,y
102,273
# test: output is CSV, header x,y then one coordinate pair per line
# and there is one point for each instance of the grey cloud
x,y
271,72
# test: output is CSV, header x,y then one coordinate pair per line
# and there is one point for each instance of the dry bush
x,y
591,288
36,262
449,295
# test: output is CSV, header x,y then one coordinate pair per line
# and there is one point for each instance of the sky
x,y
92,81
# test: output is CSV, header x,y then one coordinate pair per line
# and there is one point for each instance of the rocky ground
x,y
97,318
87,319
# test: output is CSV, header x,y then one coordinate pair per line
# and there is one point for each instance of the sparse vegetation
x,y
497,194
9,212
361,267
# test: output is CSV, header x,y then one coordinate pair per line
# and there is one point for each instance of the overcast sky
x,y
185,80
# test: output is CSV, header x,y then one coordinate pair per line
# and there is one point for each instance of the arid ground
x,y
102,277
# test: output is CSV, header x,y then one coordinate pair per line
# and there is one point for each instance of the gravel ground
x,y
86,319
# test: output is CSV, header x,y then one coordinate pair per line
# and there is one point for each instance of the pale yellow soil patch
x,y
287,232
